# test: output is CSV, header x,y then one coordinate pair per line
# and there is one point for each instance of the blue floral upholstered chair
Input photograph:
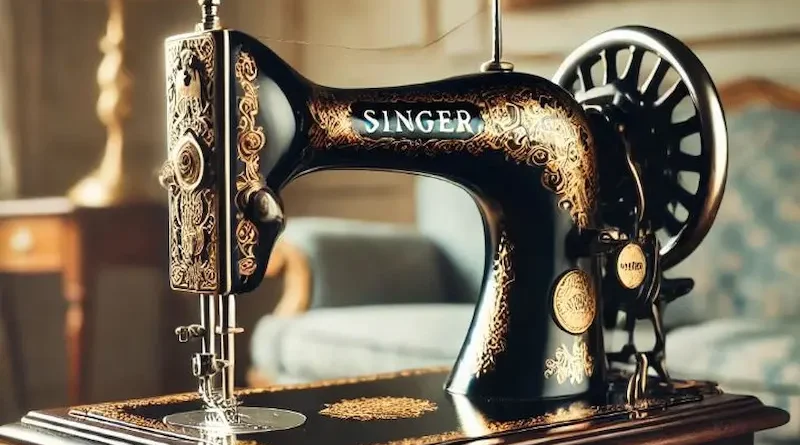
x,y
365,297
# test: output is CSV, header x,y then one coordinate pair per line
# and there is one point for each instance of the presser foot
x,y
237,420
223,414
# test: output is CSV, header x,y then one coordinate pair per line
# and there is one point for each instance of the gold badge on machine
x,y
574,302
631,266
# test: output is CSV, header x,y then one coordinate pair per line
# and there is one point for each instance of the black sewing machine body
x,y
575,178
521,145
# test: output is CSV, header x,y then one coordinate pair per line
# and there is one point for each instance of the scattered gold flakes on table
x,y
379,408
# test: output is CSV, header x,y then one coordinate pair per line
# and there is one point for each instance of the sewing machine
x,y
578,187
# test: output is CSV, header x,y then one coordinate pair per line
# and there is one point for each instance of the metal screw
x,y
210,17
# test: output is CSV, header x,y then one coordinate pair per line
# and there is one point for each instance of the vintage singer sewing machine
x,y
578,183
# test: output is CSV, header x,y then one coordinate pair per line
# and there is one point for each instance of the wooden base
x,y
411,408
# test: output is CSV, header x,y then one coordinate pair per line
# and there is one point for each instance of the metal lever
x,y
637,180
191,332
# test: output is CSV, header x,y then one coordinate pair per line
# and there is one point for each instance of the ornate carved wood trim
x,y
255,379
752,90
289,262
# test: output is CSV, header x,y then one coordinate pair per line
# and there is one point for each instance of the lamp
x,y
107,184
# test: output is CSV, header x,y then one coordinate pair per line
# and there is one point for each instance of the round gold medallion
x,y
631,266
574,302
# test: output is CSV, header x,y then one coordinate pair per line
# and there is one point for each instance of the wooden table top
x,y
411,408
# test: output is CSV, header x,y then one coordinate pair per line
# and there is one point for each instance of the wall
x,y
57,59
62,139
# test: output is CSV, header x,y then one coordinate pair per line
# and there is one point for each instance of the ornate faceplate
x,y
192,143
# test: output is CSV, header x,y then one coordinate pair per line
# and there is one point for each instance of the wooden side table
x,y
51,235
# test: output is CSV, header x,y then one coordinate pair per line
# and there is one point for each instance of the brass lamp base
x,y
100,190
109,183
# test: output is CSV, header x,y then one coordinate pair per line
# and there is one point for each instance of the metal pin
x,y
210,16
497,64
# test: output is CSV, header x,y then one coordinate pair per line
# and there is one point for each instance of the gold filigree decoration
x,y
125,411
249,145
193,229
574,302
576,411
532,126
493,338
430,439
570,365
379,408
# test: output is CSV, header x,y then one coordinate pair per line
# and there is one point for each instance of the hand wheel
x,y
608,76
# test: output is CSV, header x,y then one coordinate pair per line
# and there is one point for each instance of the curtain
x,y
8,134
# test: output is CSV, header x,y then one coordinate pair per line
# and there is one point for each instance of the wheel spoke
x,y
634,65
673,96
683,196
585,75
650,87
685,128
684,162
570,82
671,223
609,57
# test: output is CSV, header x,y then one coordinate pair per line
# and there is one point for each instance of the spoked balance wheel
x,y
656,87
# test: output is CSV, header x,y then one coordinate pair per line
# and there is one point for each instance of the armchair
x,y
372,295
366,297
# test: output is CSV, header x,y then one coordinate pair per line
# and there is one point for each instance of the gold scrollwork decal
x,y
192,209
528,125
379,408
249,145
570,365
493,338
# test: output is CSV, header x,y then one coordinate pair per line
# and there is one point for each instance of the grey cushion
x,y
331,342
342,342
360,262
449,216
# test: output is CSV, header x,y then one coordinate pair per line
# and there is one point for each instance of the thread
x,y
397,48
